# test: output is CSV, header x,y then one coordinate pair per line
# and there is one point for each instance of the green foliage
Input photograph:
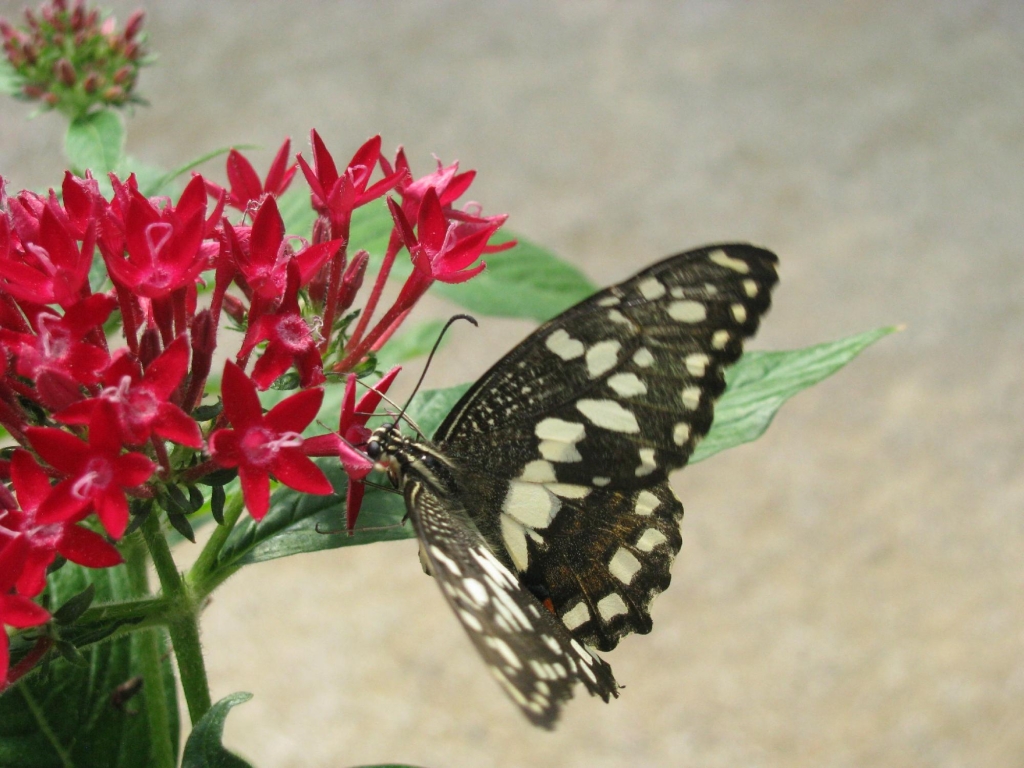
x,y
761,382
204,749
67,714
96,143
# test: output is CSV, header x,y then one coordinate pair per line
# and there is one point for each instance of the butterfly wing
x,y
564,446
530,653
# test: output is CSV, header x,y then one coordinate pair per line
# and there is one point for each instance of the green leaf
x,y
301,522
204,749
410,343
75,606
761,382
10,81
96,142
526,281
370,229
297,211
66,715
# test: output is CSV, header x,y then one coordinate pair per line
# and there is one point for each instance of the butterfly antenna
x,y
426,367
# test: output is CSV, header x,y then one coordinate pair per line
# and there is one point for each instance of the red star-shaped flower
x,y
263,445
289,340
97,472
245,182
352,432
46,539
142,401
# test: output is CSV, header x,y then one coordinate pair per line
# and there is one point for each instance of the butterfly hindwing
x,y
525,646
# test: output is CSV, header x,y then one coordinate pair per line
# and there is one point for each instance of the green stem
x,y
149,650
183,623
205,575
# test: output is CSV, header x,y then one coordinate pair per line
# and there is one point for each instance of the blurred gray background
x,y
849,590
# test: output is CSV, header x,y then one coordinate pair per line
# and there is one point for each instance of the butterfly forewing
x,y
524,645
564,446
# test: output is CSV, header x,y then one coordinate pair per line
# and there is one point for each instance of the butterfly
x,y
542,503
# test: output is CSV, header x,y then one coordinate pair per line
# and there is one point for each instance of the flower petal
x,y
295,413
112,509
255,490
174,424
19,611
353,501
58,449
297,471
88,548
241,403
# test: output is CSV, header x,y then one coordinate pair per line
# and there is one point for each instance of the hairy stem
x,y
183,621
148,650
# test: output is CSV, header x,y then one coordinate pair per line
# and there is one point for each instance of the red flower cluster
x,y
93,422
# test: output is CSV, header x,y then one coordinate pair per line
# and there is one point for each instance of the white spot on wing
x,y
687,311
470,620
514,536
643,357
722,259
446,561
538,472
623,565
650,539
681,433
750,288
568,491
691,398
609,415
647,464
608,301
530,504
719,339
739,313
611,606
651,288
563,345
476,590
559,429
505,650
617,317
627,384
600,482
646,503
553,450
576,616
696,364
602,357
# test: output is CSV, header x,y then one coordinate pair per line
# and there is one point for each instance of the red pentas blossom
x,y
347,443
246,186
289,339
262,254
52,268
261,444
46,536
163,244
96,471
141,401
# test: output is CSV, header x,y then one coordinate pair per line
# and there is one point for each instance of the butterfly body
x,y
542,504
